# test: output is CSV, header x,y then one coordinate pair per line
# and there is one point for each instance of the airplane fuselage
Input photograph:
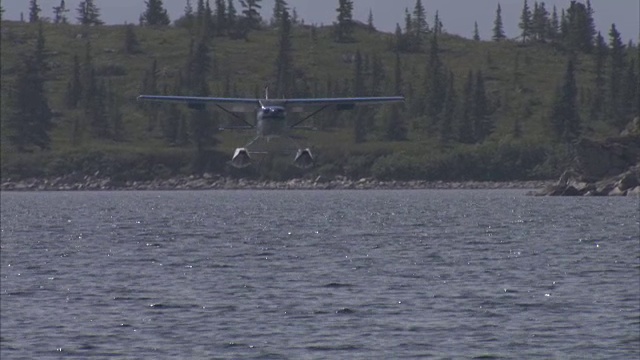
x,y
271,121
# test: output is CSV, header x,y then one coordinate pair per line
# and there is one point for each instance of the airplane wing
x,y
230,104
292,105
301,105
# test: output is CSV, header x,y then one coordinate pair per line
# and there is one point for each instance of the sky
x,y
457,16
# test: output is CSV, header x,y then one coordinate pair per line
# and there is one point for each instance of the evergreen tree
x,y
553,32
476,33
465,130
221,17
396,130
359,130
232,14
435,84
131,43
278,9
419,24
616,71
39,54
198,70
370,27
284,60
596,110
34,11
207,26
29,118
93,97
59,12
591,24
498,30
482,121
540,22
344,28
437,24
578,35
150,86
155,14
629,93
448,112
74,86
251,12
114,112
88,13
525,22
565,117
188,18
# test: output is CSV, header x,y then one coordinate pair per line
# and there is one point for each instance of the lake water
x,y
318,275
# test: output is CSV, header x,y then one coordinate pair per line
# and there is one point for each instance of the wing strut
x,y
312,114
235,116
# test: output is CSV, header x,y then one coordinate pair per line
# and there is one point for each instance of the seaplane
x,y
271,118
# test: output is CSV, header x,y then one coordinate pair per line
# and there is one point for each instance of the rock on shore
x,y
210,182
603,168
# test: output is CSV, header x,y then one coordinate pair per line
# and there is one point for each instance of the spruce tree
x,y
88,13
525,22
279,7
113,104
600,53
448,112
553,31
251,12
74,86
435,84
199,68
565,117
482,121
591,25
498,30
155,14
34,11
359,126
29,119
344,28
540,22
188,18
150,86
131,43
616,72
437,24
284,59
629,93
465,129
39,53
59,12
232,14
222,25
419,24
578,34
370,27
476,33
396,130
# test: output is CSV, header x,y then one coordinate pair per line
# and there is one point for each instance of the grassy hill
x,y
521,81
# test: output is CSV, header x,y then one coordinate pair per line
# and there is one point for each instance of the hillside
x,y
520,79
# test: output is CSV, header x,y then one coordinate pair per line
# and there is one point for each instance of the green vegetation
x,y
475,110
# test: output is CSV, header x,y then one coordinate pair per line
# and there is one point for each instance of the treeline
x,y
453,108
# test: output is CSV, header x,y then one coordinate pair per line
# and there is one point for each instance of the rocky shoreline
x,y
572,183
212,182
